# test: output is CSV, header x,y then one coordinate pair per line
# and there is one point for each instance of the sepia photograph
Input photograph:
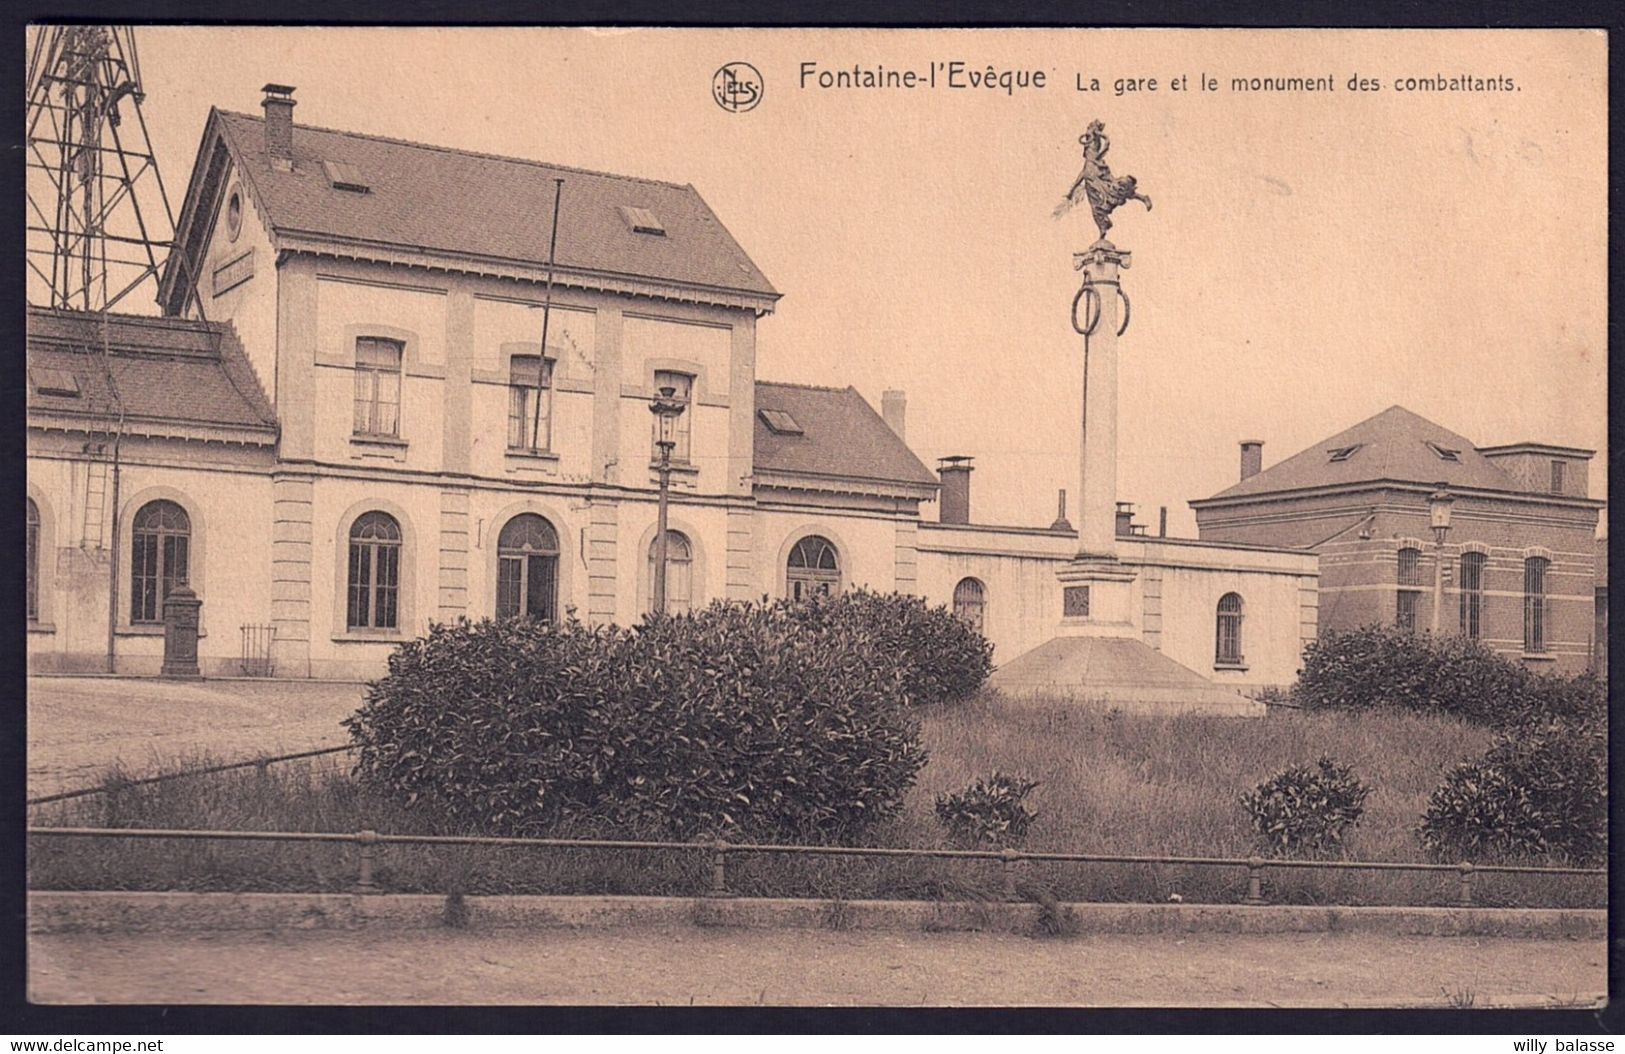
x,y
647,517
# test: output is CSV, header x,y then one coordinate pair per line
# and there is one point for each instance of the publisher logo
x,y
737,87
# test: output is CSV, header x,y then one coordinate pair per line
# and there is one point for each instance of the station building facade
x,y
345,427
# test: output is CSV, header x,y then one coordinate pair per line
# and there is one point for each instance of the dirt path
x,y
79,726
683,965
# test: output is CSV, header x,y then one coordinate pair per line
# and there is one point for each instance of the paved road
x,y
79,726
683,965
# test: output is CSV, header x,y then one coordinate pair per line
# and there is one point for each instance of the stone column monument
x,y
1098,656
1094,587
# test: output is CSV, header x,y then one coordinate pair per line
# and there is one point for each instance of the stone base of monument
x,y
1115,673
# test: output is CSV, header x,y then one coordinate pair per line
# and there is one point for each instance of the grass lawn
x,y
1111,783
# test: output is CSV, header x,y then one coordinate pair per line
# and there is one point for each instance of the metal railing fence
x,y
368,844
260,763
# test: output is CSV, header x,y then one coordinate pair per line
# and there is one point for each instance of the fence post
x,y
1007,872
719,870
1465,873
368,843
1255,881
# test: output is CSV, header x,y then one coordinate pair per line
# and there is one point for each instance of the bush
x,y
1304,810
1379,666
988,812
1537,790
941,658
740,720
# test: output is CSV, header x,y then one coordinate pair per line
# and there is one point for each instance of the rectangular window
x,y
530,403
1534,604
1558,471
683,387
1405,616
1472,594
377,387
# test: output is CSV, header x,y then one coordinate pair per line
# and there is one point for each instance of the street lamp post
x,y
667,408
1439,503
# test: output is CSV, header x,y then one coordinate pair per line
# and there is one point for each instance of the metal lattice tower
x,y
99,223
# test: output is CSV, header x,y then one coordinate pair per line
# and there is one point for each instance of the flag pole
x,y
547,310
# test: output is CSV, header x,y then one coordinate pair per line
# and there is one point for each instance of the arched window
x,y
679,573
813,567
31,564
161,537
970,601
1472,594
1227,651
375,572
1410,591
1534,603
528,569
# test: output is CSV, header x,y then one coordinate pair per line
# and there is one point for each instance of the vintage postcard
x,y
816,517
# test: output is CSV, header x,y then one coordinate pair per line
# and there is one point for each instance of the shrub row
x,y
780,720
1378,666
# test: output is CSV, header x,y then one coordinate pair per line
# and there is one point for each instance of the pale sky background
x,y
1311,260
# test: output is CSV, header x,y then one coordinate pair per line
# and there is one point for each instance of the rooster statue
x,y
1097,185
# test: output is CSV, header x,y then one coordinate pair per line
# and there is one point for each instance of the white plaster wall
x,y
708,447
341,303
645,341
706,527
1270,640
704,351
571,439
570,335
1022,594
251,306
345,310
489,510
333,650
229,562
866,547
1017,570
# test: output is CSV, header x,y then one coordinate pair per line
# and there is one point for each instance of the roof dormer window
x,y
345,176
780,423
51,381
1343,453
642,221
1445,453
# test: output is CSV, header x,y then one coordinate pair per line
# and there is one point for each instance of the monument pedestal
x,y
1096,596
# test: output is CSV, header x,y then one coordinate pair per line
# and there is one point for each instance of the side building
x,y
1517,564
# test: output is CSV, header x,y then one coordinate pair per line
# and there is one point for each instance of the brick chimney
x,y
1252,457
955,472
893,407
1124,523
278,104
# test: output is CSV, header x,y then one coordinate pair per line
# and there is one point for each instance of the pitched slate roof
x,y
170,374
433,198
842,437
1393,445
